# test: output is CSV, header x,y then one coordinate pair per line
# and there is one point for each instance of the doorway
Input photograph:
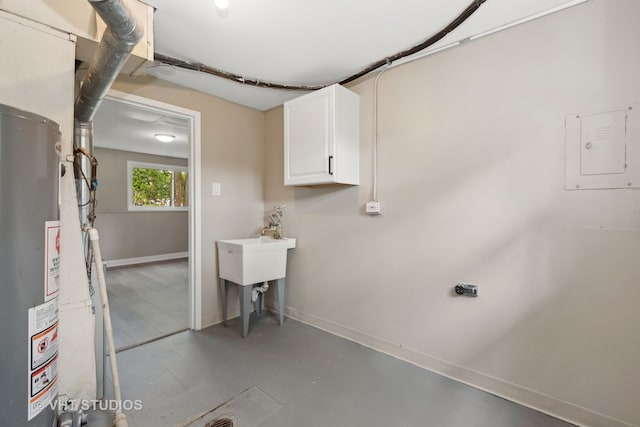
x,y
152,115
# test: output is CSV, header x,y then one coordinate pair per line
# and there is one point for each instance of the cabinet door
x,y
308,140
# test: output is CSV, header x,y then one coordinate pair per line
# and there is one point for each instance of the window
x,y
157,187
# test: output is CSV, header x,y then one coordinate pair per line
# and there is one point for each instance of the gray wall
x,y
125,234
471,181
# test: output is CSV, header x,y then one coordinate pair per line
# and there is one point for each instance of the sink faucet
x,y
275,225
276,230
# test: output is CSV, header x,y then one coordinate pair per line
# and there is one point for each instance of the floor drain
x,y
220,422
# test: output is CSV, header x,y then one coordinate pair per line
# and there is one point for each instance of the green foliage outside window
x,y
159,187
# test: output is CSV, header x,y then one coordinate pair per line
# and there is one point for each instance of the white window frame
x,y
174,168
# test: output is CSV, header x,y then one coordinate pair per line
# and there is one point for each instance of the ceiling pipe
x,y
121,36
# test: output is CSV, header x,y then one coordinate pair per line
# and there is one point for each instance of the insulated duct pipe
x,y
122,34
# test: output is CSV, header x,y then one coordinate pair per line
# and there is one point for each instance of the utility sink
x,y
256,260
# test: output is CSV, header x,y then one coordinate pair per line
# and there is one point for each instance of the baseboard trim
x,y
565,411
145,259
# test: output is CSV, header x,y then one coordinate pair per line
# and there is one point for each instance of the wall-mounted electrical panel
x,y
603,149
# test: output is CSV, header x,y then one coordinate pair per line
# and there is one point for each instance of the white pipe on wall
x,y
120,418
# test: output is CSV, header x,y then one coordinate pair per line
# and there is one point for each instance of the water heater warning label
x,y
52,259
43,356
44,346
43,388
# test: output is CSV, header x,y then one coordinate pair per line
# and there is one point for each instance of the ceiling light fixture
x,y
164,137
221,4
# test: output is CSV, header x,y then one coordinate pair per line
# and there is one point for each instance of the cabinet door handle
x,y
330,165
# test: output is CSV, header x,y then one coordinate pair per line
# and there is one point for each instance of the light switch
x,y
216,189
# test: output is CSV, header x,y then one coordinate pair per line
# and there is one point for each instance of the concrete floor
x,y
320,380
148,300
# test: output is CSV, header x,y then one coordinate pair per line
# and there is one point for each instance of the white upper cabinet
x,y
321,138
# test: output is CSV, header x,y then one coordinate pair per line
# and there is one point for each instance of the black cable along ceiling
x,y
475,5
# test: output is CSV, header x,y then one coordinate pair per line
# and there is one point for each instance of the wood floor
x,y
148,301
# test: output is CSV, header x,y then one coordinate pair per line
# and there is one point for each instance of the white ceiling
x,y
296,42
306,42
123,126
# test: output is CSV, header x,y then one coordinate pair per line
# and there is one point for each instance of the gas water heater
x,y
29,267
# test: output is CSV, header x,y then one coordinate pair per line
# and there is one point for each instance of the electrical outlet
x,y
467,289
373,208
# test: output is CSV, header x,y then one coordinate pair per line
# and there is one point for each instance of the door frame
x,y
195,208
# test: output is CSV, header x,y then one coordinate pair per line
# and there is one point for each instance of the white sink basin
x,y
249,261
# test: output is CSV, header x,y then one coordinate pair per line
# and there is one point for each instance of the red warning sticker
x,y
52,260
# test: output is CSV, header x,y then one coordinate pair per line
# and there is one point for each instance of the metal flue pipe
x,y
122,34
